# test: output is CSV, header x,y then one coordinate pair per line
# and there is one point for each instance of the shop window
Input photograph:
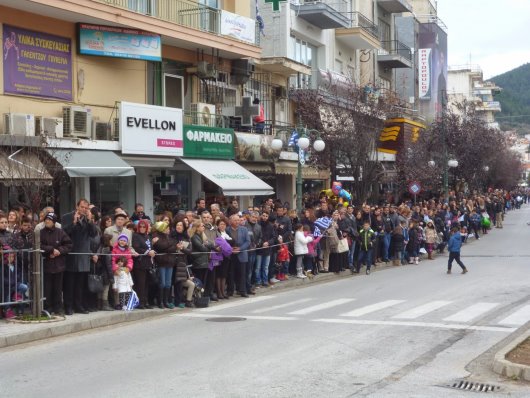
x,y
171,191
109,192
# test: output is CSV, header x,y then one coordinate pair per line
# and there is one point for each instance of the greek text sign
x,y
37,64
208,142
150,130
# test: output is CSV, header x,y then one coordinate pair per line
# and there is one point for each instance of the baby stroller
x,y
199,300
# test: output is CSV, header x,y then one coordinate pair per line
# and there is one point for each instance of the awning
x,y
22,167
233,179
291,168
92,163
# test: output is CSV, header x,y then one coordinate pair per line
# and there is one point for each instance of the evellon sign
x,y
150,130
208,142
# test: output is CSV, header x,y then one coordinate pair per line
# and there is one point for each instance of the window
x,y
173,91
338,66
147,7
303,52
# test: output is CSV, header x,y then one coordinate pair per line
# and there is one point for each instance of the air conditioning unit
x,y
203,114
206,70
50,126
241,71
101,130
77,122
280,92
115,134
19,124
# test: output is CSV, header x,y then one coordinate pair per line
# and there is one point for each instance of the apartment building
x,y
466,84
131,97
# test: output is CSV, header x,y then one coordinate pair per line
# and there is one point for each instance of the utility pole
x,y
444,147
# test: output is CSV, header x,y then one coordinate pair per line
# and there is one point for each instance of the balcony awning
x,y
232,178
92,163
20,167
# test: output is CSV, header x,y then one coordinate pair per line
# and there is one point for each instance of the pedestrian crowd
x,y
119,261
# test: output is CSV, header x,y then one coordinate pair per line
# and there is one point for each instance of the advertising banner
x,y
238,27
255,148
150,130
208,142
424,73
37,64
110,41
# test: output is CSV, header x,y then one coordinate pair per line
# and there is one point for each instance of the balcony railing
x,y
395,47
180,12
338,5
358,20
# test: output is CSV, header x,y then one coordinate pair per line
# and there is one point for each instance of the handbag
x,y
152,275
95,283
343,247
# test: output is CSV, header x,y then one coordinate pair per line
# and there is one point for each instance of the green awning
x,y
92,163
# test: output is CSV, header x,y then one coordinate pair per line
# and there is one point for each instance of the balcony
x,y
395,6
362,34
491,106
325,14
394,54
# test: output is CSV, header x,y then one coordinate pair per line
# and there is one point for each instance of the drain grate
x,y
473,386
226,319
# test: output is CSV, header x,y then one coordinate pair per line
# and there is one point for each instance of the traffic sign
x,y
414,188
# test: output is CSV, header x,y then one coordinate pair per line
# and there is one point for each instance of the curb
x,y
507,368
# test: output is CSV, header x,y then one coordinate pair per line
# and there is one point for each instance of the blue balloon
x,y
344,195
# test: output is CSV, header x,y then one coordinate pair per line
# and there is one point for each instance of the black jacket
x,y
142,243
50,239
165,249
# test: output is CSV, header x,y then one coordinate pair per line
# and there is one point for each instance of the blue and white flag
x,y
133,302
323,223
317,232
293,141
259,18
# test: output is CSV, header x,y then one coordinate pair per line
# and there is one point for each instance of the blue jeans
x,y
262,269
165,277
364,256
250,267
386,245
351,261
10,293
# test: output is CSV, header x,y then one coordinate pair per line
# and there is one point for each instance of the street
x,y
406,331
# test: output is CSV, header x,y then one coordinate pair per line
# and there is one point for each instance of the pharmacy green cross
x,y
164,180
275,4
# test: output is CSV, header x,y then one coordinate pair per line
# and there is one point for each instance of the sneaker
x,y
182,305
448,271
301,276
274,280
367,271
464,271
285,277
10,314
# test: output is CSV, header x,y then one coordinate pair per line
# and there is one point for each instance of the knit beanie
x,y
123,237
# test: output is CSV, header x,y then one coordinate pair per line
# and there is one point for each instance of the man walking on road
x,y
454,245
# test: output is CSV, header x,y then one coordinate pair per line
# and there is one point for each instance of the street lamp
x,y
486,168
303,144
431,163
452,164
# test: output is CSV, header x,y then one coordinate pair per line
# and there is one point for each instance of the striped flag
x,y
259,18
133,302
323,223
317,232
293,141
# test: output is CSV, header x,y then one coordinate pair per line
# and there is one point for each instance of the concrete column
x,y
144,190
82,188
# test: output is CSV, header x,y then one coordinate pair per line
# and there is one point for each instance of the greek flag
x,y
259,18
133,302
317,232
322,223
293,141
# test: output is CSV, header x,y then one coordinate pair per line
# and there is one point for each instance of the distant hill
x,y
514,99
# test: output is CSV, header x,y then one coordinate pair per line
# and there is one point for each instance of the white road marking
x,y
372,308
422,310
471,312
253,317
323,306
519,317
277,307
416,324
238,303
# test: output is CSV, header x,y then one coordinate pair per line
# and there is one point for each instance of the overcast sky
x,y
494,34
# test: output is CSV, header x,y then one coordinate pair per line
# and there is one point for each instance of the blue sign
x,y
111,41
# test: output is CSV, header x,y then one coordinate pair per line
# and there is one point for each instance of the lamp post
x,y
303,145
452,164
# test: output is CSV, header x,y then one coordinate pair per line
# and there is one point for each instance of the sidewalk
x,y
505,367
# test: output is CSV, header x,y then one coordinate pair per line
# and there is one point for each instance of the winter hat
x,y
123,237
161,226
51,216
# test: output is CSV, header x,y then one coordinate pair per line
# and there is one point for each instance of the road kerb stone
x,y
507,368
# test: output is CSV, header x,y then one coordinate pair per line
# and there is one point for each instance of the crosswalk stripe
x,y
277,307
519,317
323,306
238,303
471,312
422,310
372,308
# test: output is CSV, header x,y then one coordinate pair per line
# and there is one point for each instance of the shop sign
x,y
208,142
150,130
255,148
238,27
111,41
424,72
37,64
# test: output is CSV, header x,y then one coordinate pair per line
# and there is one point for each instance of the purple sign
x,y
37,64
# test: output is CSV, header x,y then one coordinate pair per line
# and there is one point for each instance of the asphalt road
x,y
401,332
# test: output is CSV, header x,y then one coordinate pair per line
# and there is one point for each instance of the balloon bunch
x,y
337,194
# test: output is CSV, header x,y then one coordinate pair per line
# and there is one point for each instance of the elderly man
x,y
80,228
211,233
239,259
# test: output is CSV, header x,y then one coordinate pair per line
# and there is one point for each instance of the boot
x,y
160,298
100,304
106,306
396,262
430,256
416,260
167,299
300,274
